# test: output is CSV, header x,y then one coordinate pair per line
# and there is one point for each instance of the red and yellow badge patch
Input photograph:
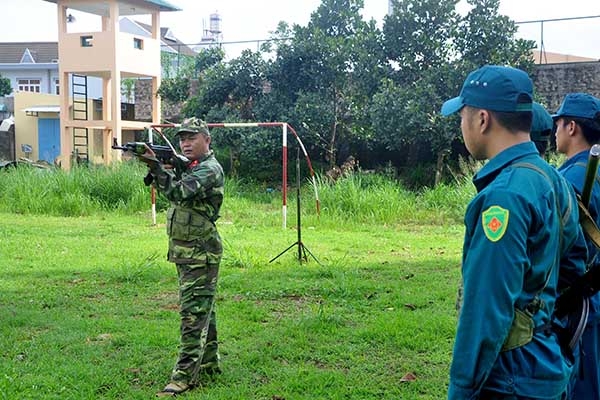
x,y
495,222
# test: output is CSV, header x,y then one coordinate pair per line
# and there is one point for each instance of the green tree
x,y
128,89
486,37
235,85
5,88
326,73
180,69
431,48
418,36
228,92
346,85
208,58
175,90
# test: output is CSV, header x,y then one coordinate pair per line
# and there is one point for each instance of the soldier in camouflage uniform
x,y
195,247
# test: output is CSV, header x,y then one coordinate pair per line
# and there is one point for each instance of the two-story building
x,y
81,116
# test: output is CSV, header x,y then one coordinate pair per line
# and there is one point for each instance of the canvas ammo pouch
x,y
184,224
523,327
521,330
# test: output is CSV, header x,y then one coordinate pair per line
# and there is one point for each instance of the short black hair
x,y
516,121
589,127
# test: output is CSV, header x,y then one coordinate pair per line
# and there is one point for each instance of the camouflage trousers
x,y
198,350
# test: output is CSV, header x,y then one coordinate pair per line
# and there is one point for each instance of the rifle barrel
x,y
590,174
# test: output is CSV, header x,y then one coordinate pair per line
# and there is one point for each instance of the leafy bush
x,y
174,89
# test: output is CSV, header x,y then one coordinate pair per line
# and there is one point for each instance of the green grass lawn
x,y
88,308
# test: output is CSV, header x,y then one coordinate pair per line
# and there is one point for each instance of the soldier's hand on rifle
x,y
149,152
149,157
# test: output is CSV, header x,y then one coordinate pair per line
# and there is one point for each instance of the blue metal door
x,y
49,139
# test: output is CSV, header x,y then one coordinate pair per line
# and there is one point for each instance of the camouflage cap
x,y
193,125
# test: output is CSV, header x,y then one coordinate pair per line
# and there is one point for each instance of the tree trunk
x,y
331,149
234,161
439,167
332,139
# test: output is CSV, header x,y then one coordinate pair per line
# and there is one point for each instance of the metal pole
x,y
298,204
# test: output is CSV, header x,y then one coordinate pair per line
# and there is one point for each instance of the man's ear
x,y
571,127
484,119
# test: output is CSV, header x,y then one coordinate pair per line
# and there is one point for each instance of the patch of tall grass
x,y
357,198
365,198
380,199
81,191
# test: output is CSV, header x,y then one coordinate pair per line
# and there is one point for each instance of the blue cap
x,y
579,105
542,123
494,88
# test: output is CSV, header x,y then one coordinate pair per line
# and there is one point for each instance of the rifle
x,y
164,155
589,283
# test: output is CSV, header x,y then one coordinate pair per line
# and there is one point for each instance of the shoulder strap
x,y
536,303
588,224
522,328
586,221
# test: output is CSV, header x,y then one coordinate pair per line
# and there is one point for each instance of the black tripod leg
x,y
302,253
280,254
304,250
301,248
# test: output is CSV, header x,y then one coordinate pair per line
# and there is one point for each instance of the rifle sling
x,y
586,221
588,224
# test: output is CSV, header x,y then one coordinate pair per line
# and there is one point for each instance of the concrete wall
x,y
143,104
7,145
100,54
553,81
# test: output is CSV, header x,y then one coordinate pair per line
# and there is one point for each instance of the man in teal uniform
x,y
518,227
577,129
196,195
541,127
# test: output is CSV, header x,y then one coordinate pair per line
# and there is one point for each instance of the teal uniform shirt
x,y
574,171
587,385
514,243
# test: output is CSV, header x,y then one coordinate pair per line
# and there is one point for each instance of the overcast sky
x,y
241,20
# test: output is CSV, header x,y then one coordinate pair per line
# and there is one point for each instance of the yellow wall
x,y
26,127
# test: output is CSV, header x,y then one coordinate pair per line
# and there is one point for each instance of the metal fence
x,y
558,40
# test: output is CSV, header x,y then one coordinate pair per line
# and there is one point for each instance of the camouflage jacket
x,y
196,199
